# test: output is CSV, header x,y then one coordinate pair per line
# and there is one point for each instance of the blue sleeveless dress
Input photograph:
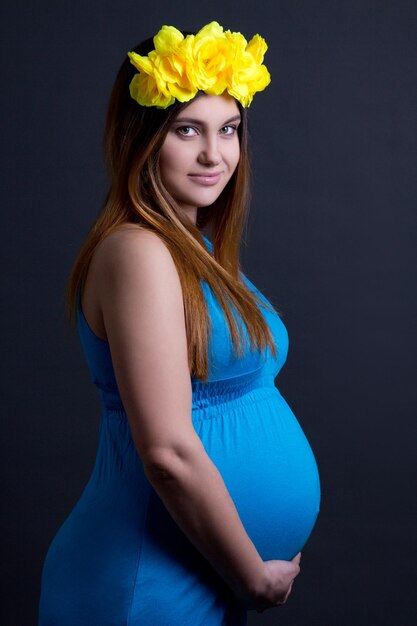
x,y
119,559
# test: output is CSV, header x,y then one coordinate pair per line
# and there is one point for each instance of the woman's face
x,y
201,152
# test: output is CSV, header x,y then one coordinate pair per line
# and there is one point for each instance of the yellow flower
x,y
210,53
144,89
163,70
211,61
247,75
257,48
167,40
170,59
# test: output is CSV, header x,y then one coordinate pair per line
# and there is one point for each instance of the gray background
x,y
331,241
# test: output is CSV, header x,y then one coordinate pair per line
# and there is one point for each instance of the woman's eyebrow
x,y
192,120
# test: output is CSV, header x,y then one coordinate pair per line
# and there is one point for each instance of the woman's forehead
x,y
210,109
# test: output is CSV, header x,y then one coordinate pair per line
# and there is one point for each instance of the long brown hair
x,y
133,138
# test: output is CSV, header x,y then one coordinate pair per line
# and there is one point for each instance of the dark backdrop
x,y
331,241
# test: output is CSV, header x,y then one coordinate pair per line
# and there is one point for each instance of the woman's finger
x,y
297,558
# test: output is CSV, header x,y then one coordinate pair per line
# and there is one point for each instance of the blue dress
x,y
119,559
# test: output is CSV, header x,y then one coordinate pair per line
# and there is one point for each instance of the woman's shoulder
x,y
134,260
129,259
129,234
129,244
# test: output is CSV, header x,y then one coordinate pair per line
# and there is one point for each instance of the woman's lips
x,y
206,179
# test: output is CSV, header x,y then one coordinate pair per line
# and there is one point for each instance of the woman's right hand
x,y
277,584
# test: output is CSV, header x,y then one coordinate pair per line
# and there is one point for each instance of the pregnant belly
x,y
268,467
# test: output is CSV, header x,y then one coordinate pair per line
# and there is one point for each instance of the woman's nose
x,y
210,153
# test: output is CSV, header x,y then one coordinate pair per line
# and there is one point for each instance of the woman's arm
x,y
140,296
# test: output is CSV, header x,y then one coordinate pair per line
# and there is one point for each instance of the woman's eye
x,y
228,130
186,131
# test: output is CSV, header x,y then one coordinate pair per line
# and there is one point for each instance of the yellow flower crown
x,y
211,61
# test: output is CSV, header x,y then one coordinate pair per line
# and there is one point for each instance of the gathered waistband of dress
x,y
216,393
206,394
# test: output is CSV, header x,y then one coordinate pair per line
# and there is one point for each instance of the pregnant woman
x,y
204,489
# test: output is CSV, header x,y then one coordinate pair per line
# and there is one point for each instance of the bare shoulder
x,y
131,268
124,242
133,251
